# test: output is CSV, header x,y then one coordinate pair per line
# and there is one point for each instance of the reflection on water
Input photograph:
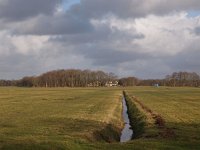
x,y
127,132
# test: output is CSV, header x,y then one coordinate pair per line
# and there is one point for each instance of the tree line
x,y
88,78
176,79
64,78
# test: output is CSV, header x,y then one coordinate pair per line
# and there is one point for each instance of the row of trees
x,y
85,78
7,83
129,81
68,78
183,79
175,79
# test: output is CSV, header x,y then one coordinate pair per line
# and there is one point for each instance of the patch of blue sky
x,y
194,13
68,3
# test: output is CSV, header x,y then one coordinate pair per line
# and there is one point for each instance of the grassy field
x,y
56,116
90,118
179,107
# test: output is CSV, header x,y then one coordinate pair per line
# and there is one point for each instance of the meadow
x,y
90,118
180,110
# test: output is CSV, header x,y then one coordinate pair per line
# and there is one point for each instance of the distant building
x,y
156,85
112,83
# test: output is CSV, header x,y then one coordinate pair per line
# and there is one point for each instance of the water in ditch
x,y
127,132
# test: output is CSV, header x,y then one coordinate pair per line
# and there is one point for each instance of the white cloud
x,y
23,44
167,35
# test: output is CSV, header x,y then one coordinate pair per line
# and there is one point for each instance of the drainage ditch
x,y
127,132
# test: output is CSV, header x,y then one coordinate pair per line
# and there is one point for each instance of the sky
x,y
142,38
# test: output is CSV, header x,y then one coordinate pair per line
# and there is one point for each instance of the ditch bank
x,y
134,124
159,122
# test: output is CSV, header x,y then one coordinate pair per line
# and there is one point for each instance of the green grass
x,y
40,115
90,118
180,108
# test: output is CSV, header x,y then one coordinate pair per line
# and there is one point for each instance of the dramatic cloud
x,y
132,8
146,38
15,10
53,25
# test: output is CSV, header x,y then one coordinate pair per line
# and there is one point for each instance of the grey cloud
x,y
145,68
20,9
112,58
105,46
197,30
54,25
165,6
186,60
131,8
77,18
15,10
99,8
158,67
72,37
16,65
102,35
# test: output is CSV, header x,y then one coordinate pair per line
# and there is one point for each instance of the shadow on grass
x,y
109,133
33,146
89,129
188,136
60,134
